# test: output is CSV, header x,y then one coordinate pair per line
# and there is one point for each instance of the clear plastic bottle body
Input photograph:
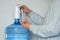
x,y
16,32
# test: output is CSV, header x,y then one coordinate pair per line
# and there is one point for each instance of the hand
x,y
25,25
25,9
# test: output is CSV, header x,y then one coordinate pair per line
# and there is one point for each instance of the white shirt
x,y
47,28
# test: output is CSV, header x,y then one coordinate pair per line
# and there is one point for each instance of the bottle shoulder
x,y
16,29
14,26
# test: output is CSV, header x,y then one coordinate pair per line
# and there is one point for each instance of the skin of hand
x,y
25,25
25,9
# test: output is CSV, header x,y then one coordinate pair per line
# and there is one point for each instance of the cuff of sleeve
x,y
31,13
32,28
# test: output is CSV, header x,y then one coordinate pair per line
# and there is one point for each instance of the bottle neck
x,y
17,21
17,15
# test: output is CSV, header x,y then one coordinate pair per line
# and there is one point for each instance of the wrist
x,y
29,27
29,12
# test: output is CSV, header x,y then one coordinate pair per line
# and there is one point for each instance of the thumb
x,y
21,22
27,21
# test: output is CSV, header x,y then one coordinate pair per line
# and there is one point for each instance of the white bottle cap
x,y
17,12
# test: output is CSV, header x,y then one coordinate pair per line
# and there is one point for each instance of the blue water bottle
x,y
15,31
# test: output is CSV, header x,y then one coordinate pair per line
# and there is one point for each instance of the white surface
x,y
17,12
7,11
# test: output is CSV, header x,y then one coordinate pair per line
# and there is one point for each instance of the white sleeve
x,y
46,30
36,18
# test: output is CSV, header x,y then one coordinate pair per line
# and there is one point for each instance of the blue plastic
x,y
16,32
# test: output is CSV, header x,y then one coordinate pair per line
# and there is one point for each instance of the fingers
x,y
21,22
23,8
25,21
25,25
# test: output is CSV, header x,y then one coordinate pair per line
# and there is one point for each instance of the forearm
x,y
36,18
44,30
